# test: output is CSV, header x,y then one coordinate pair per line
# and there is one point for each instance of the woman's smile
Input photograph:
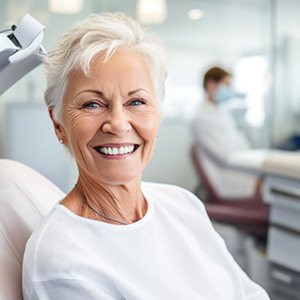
x,y
117,151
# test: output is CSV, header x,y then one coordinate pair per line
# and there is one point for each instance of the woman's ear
x,y
59,131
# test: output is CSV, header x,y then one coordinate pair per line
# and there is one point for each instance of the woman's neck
x,y
124,203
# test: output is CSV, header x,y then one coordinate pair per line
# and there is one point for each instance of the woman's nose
x,y
117,121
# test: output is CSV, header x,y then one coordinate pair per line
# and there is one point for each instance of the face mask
x,y
225,93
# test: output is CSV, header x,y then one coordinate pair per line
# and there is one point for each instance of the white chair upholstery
x,y
25,198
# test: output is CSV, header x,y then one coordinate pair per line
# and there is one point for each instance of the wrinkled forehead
x,y
122,72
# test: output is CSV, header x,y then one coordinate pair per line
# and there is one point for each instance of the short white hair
x,y
103,33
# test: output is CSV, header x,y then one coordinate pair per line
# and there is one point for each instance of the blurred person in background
x,y
217,137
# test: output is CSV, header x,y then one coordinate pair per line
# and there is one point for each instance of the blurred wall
x,y
221,37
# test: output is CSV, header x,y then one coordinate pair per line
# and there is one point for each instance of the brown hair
x,y
215,74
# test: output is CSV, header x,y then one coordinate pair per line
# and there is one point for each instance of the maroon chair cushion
x,y
254,221
212,194
248,214
238,215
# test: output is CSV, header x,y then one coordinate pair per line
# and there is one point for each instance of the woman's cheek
x,y
150,123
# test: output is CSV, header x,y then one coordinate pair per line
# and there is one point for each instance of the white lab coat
x,y
217,137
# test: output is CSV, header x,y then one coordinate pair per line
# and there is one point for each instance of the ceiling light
x,y
195,14
151,11
65,6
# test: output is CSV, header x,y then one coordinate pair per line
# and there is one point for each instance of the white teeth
x,y
116,151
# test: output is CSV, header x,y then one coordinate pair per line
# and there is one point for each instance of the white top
x,y
173,253
218,138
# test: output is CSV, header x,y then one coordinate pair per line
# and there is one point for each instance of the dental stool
x,y
249,215
25,198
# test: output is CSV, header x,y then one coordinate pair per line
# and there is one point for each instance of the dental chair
x,y
249,215
25,195
25,198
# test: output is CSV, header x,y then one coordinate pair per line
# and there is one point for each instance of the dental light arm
x,y
20,51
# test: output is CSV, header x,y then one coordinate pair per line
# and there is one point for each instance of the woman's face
x,y
110,120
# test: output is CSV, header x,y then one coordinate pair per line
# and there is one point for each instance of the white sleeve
x,y
220,141
210,138
74,289
252,290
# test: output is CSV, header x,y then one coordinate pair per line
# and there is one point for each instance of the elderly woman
x,y
113,237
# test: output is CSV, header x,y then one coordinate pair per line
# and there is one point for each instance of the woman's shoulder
x,y
173,195
36,242
40,245
164,187
42,229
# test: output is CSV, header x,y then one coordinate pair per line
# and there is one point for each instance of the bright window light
x,y
195,14
151,11
250,78
181,102
65,6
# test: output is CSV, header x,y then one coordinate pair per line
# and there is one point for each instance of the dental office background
x,y
258,40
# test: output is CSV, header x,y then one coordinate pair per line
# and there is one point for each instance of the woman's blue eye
x,y
92,105
136,102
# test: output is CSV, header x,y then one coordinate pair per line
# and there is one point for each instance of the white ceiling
x,y
227,25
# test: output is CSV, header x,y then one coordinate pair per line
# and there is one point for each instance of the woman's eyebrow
x,y
99,93
137,90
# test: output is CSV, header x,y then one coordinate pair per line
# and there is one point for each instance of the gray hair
x,y
104,33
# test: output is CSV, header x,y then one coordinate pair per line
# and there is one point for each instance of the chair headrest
x,y
25,198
